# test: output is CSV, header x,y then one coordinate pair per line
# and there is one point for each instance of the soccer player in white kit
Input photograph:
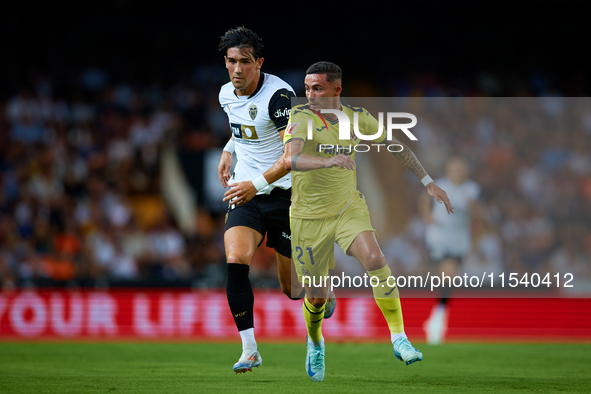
x,y
448,237
258,107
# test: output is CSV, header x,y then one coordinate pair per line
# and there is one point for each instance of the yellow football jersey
x,y
325,192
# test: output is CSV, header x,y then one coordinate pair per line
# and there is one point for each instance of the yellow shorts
x,y
312,240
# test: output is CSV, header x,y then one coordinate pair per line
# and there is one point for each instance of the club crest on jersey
x,y
253,111
353,136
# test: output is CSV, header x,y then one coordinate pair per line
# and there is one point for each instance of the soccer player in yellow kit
x,y
327,207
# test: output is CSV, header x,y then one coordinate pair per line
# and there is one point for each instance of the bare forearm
x,y
304,162
295,160
410,161
276,172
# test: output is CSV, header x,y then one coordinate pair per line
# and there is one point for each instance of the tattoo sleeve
x,y
410,161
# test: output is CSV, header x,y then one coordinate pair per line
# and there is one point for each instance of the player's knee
x,y
237,259
317,302
374,261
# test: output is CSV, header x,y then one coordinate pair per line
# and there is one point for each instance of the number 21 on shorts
x,y
300,253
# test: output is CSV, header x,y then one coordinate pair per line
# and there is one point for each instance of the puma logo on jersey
x,y
284,95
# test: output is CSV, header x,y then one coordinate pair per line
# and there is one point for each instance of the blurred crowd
x,y
531,157
80,180
80,196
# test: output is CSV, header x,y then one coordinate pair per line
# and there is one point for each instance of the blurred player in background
x,y
328,208
257,106
448,238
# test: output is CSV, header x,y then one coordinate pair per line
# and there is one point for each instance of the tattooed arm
x,y
409,160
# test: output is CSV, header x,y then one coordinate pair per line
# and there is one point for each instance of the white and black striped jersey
x,y
255,122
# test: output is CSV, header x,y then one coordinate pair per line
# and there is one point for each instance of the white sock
x,y
248,341
317,344
394,337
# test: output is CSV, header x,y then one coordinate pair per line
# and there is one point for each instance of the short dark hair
x,y
242,38
332,71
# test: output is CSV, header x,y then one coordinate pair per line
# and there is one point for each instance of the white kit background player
x,y
448,237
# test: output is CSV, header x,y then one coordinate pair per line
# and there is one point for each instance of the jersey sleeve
x,y
297,126
279,107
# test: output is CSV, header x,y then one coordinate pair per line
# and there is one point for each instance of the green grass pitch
x,y
207,367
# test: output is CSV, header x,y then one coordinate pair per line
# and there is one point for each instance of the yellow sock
x,y
313,317
387,297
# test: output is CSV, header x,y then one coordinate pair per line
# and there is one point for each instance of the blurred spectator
x,y
167,247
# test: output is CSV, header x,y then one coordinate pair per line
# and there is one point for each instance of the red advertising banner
x,y
204,315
